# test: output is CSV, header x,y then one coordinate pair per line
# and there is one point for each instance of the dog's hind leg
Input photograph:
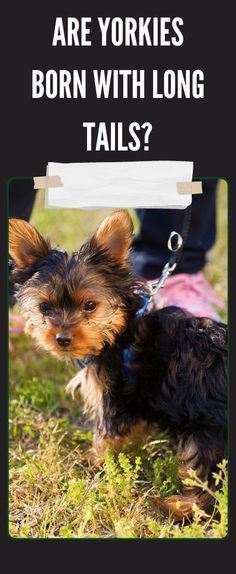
x,y
200,453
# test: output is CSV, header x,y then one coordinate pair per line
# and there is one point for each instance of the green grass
x,y
216,268
55,490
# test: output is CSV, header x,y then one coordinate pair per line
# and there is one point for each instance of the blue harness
x,y
127,353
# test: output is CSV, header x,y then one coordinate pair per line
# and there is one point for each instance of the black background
x,y
37,131
42,130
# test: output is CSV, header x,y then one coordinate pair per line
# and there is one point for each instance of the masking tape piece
x,y
189,187
47,181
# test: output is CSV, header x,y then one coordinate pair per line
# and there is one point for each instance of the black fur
x,y
177,378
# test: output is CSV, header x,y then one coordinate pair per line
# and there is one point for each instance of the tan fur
x,y
92,390
25,243
89,331
119,443
74,383
180,506
115,235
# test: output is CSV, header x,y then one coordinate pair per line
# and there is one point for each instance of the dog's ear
x,y
115,235
25,243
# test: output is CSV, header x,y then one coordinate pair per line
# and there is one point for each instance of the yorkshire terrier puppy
x,y
136,368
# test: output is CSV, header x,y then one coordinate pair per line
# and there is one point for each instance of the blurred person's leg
x,y
21,198
187,287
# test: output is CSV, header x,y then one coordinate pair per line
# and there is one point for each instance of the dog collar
x,y
127,354
83,363
146,300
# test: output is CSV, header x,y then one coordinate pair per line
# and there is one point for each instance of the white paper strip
x,y
120,184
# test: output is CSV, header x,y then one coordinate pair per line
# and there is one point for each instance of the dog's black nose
x,y
63,340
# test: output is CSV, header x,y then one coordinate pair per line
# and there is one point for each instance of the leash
x,y
175,244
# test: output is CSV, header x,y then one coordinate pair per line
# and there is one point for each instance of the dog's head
x,y
74,305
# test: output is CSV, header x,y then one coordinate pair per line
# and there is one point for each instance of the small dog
x,y
163,367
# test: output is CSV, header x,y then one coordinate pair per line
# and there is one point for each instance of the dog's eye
x,y
89,306
45,308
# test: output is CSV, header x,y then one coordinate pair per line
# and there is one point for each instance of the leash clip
x,y
156,285
174,244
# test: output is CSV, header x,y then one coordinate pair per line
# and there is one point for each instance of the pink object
x,y
191,292
19,320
